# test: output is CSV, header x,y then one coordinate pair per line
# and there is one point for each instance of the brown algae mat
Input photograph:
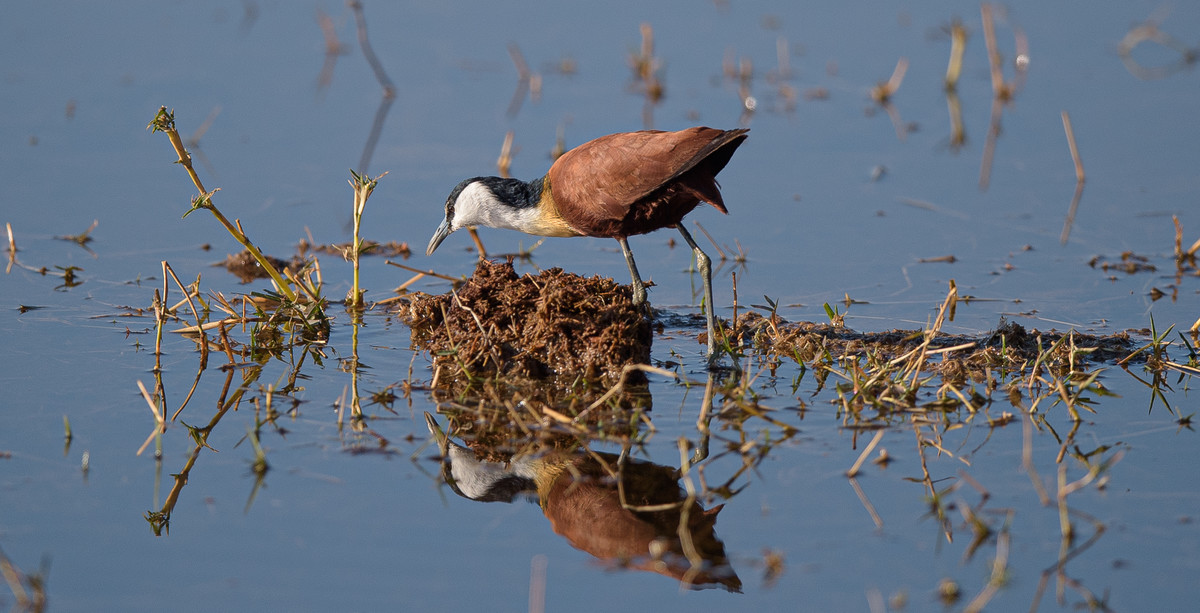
x,y
553,325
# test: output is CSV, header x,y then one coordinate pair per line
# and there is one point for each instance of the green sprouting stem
x,y
363,186
164,122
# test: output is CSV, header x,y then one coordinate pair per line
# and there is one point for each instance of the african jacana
x,y
615,186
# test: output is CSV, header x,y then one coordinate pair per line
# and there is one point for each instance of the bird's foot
x,y
715,351
714,359
715,363
639,295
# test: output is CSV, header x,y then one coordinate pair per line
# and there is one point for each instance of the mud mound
x,y
552,325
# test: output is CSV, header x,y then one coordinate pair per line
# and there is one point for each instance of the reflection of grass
x,y
29,589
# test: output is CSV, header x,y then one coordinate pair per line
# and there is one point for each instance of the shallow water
x,y
825,199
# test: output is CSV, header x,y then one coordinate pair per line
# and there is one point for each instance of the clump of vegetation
x,y
1009,347
550,326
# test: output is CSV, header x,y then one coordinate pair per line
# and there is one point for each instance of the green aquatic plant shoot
x,y
363,186
164,122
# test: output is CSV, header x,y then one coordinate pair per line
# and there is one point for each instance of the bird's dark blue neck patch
x,y
514,192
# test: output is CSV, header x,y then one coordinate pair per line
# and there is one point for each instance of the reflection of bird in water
x,y
615,186
581,500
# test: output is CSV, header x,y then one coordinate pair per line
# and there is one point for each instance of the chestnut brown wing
x,y
596,184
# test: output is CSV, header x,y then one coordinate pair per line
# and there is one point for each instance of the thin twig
x,y
720,252
424,272
1079,174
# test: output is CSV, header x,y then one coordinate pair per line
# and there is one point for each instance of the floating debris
x,y
246,268
1130,263
389,249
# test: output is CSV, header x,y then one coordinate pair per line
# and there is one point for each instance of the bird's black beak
x,y
439,235
439,437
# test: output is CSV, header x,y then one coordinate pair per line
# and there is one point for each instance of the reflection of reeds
x,y
528,81
274,330
160,420
958,133
958,46
1079,178
333,49
1049,373
388,94
1148,32
83,238
999,576
647,75
28,589
1003,92
268,337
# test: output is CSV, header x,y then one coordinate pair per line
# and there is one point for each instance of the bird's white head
x,y
466,206
491,202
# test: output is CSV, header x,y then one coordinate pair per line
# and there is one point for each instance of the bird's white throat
x,y
478,206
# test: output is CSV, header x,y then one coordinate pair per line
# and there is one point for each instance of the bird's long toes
x,y
714,360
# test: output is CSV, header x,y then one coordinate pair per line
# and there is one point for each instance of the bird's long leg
x,y
478,243
639,288
705,266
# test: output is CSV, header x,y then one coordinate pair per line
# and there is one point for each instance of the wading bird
x,y
615,186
